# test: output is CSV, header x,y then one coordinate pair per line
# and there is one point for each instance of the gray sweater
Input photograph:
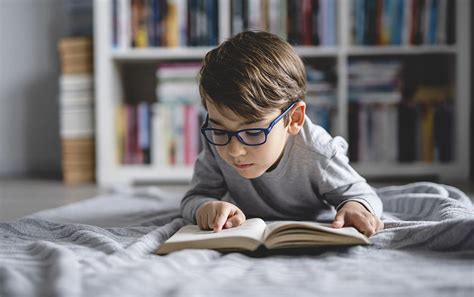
x,y
311,181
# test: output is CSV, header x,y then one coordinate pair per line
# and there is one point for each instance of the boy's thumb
x,y
338,221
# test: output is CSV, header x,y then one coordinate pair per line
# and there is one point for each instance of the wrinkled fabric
x,y
105,247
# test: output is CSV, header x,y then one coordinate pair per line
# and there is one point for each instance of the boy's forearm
x,y
207,184
360,192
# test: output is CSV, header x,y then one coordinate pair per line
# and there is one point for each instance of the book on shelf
x,y
374,93
76,55
176,114
133,133
165,131
306,22
164,23
400,111
444,132
403,22
78,159
255,233
176,135
407,132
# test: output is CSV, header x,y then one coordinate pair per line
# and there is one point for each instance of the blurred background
x,y
97,94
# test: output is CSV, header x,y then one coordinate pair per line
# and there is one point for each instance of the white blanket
x,y
104,247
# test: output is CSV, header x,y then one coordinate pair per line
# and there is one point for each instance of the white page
x,y
252,228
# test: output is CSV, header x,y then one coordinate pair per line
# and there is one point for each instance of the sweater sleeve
x,y
207,184
341,183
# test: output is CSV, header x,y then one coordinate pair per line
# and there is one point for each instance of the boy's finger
x,y
199,221
207,221
338,220
235,220
220,220
364,227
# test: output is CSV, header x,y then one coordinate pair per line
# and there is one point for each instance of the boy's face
x,y
249,161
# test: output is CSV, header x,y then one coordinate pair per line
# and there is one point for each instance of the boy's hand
x,y
218,215
354,214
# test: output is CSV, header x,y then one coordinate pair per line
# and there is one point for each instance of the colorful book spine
x,y
403,22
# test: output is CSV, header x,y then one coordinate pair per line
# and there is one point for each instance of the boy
x,y
262,153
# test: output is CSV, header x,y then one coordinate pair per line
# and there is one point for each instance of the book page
x,y
247,236
252,228
310,233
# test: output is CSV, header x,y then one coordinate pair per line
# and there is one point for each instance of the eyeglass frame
x,y
231,134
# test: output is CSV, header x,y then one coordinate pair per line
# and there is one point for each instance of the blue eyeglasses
x,y
251,137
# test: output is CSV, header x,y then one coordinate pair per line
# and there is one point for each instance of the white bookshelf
x,y
108,94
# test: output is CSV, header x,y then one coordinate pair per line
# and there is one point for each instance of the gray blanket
x,y
104,247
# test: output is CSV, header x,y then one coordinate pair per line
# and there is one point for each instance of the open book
x,y
255,233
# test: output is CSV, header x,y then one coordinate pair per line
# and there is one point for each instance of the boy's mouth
x,y
243,166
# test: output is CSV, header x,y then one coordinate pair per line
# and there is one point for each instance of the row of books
x,y
168,134
403,22
158,131
305,22
321,84
133,133
165,23
177,116
405,132
171,23
77,110
376,81
163,134
176,136
178,82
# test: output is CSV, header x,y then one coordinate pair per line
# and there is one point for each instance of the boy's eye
x,y
253,133
219,132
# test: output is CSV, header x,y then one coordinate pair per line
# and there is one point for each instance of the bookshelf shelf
x,y
401,50
317,51
161,53
179,53
387,169
145,173
109,91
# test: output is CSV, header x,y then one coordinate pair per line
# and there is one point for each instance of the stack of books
x,y
177,115
77,110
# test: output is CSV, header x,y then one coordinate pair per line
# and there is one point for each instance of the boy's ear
x,y
297,118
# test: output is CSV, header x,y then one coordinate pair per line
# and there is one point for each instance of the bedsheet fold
x,y
104,247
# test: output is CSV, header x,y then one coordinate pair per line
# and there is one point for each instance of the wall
x,y
29,69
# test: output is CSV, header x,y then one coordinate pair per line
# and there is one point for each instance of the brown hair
x,y
252,72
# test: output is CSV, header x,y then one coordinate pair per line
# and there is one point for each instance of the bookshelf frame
x,y
108,93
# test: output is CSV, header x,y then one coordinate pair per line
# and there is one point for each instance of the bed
x,y
104,246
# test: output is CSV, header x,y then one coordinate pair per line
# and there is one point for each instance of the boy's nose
x,y
235,148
